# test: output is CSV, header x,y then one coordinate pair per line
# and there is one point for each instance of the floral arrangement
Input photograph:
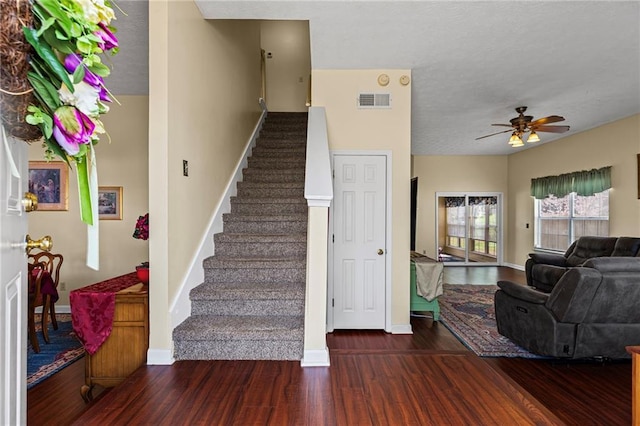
x,y
67,77
141,231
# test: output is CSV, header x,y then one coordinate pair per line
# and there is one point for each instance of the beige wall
x,y
204,86
616,144
123,162
350,128
452,174
289,68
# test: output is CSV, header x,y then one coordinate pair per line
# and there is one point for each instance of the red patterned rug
x,y
468,312
63,349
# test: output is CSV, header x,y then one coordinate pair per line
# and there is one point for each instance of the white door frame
x,y
388,237
499,253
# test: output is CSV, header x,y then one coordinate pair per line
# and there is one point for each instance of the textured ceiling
x,y
472,62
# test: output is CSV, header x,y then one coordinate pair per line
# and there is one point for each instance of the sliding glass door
x,y
469,228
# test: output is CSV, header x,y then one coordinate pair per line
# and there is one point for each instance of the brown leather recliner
x,y
543,270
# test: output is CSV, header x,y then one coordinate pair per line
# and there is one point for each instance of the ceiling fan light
x,y
515,140
533,137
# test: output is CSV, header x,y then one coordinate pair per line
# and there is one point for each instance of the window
x,y
456,223
560,221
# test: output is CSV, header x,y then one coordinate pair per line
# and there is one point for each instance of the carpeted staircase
x,y
251,305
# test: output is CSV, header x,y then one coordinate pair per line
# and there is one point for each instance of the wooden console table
x,y
635,390
125,347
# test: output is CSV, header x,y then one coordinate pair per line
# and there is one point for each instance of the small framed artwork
x,y
110,202
50,182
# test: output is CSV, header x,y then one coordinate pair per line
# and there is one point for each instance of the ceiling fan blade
x,y
493,134
546,120
551,129
504,125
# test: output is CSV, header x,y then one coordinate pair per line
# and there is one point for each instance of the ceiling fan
x,y
525,123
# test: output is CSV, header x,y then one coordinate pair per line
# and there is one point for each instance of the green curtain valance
x,y
585,183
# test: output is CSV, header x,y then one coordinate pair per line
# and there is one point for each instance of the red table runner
x,y
92,310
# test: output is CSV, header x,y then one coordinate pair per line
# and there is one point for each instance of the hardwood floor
x,y
428,378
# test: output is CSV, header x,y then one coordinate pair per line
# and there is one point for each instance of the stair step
x,y
276,143
220,269
263,175
211,337
257,245
275,163
265,152
283,299
268,206
271,189
293,223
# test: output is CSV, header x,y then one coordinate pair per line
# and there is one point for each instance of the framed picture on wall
x,y
110,202
50,182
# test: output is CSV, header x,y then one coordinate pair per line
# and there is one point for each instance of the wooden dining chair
x,y
44,277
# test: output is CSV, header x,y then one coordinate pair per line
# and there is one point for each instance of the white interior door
x,y
13,288
359,248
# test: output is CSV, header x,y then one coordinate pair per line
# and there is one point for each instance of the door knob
x,y
30,202
380,252
45,243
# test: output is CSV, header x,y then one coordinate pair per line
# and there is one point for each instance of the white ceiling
x,y
472,62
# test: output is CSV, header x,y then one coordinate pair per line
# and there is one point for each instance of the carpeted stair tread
x,y
262,238
249,290
255,263
268,200
240,327
293,217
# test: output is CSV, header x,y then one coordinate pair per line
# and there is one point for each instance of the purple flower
x,y
109,41
71,128
72,61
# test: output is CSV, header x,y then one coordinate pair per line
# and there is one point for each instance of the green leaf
x,y
57,150
45,26
61,36
62,45
45,52
45,72
100,69
47,92
53,7
76,30
84,45
78,74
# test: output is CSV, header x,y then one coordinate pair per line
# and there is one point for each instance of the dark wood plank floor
x,y
428,378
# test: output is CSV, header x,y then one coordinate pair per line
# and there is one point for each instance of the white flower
x,y
95,11
85,98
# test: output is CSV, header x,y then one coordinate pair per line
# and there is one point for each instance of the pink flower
x,y
71,128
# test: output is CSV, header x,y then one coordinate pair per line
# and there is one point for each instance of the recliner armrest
x,y
548,259
525,293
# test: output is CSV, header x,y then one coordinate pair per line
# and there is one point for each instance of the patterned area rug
x,y
64,348
468,312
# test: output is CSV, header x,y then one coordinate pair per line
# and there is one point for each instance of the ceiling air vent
x,y
374,100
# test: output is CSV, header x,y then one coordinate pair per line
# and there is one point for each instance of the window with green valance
x,y
585,183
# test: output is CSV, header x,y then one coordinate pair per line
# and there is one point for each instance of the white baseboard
x,y
514,266
159,357
401,329
316,358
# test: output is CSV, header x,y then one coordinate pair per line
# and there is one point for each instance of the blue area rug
x,y
64,348
468,312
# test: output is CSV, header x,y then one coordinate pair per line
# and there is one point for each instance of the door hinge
x,y
333,238
333,302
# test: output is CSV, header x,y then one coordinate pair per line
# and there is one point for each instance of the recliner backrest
x,y
590,247
604,290
627,246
